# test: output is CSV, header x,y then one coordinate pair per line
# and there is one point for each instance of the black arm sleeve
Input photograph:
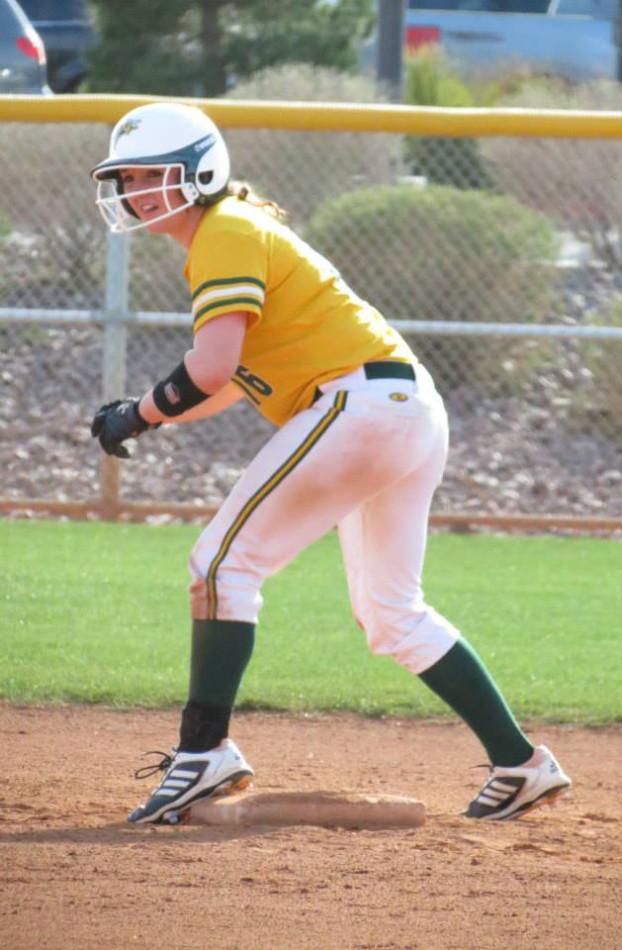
x,y
177,393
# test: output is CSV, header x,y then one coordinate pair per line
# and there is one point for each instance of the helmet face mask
x,y
116,210
199,158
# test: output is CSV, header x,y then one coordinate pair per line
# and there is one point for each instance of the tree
x,y
201,47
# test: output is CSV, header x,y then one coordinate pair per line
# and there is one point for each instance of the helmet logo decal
x,y
130,126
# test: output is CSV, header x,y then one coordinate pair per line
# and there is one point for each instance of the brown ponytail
x,y
244,192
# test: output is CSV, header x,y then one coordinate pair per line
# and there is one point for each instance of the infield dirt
x,y
75,875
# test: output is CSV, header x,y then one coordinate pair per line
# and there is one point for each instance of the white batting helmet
x,y
168,136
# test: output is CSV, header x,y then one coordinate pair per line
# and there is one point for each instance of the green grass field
x,y
97,612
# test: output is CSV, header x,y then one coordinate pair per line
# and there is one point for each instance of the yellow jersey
x,y
305,325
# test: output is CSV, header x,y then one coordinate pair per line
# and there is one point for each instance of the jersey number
x,y
249,381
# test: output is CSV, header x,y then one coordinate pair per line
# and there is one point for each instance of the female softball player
x,y
361,445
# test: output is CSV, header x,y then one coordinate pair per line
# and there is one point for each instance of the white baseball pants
x,y
365,458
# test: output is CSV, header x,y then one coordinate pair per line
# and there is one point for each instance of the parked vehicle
x,y
22,54
67,30
578,40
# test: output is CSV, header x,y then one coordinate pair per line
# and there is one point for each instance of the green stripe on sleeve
x,y
225,303
226,282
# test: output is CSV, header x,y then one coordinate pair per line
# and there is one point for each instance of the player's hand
x,y
114,423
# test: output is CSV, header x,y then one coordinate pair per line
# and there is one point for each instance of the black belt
x,y
389,369
382,369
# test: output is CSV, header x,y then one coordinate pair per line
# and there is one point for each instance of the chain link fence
x,y
498,257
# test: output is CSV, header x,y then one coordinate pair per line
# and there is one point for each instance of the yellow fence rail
x,y
331,117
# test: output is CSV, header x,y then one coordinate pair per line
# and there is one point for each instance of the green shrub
x,y
430,81
439,253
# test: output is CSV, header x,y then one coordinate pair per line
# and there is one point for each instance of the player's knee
x,y
237,593
198,589
415,638
223,588
198,599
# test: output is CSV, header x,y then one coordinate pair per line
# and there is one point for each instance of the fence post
x,y
389,63
113,367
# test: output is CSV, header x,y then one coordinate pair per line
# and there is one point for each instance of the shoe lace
x,y
146,771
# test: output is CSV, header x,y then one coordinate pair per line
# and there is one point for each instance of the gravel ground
x,y
549,443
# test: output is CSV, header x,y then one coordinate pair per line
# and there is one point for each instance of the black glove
x,y
115,422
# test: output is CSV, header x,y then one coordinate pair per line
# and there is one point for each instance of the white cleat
x,y
512,792
190,776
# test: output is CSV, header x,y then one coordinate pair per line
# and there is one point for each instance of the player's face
x,y
143,189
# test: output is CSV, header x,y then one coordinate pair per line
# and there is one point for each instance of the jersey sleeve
x,y
225,274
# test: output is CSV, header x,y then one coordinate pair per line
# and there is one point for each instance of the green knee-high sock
x,y
461,680
221,650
